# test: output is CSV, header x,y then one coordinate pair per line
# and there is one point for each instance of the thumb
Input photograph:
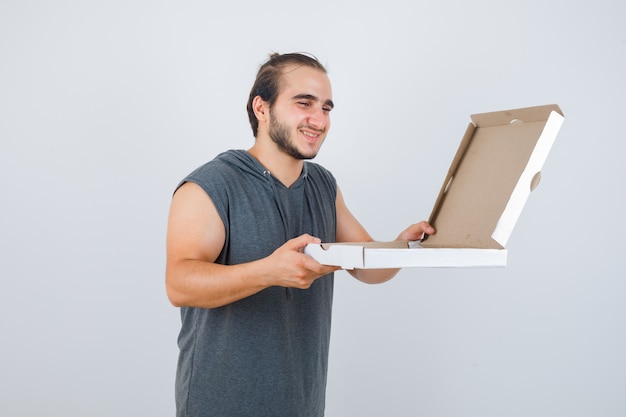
x,y
298,243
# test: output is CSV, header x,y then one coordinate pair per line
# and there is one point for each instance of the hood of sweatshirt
x,y
242,160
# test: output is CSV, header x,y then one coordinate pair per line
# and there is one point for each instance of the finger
x,y
416,231
427,228
318,268
298,243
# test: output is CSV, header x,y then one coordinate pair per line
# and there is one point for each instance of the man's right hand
x,y
288,266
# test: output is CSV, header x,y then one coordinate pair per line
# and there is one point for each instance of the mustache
x,y
309,127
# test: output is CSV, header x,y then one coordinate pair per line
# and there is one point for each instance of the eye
x,y
304,103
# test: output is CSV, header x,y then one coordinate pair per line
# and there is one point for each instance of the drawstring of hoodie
x,y
283,216
279,204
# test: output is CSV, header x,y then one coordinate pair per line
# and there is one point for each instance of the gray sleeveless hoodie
x,y
265,355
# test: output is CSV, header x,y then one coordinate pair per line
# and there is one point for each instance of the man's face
x,y
300,118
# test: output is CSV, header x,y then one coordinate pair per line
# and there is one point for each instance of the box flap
x,y
496,167
528,180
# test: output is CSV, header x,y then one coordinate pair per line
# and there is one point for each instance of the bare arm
x,y
195,238
350,230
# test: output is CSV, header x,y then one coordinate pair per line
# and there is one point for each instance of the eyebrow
x,y
313,98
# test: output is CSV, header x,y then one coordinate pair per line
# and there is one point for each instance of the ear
x,y
261,109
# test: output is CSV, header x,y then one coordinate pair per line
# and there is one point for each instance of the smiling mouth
x,y
311,133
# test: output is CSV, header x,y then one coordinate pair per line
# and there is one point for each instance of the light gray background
x,y
105,106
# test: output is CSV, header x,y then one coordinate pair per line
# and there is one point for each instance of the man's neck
x,y
282,166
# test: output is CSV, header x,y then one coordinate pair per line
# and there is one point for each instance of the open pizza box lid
x,y
497,165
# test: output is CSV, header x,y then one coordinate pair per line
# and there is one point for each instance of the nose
x,y
318,118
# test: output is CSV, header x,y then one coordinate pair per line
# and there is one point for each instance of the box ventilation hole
x,y
535,181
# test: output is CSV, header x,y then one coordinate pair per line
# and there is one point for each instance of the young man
x,y
256,311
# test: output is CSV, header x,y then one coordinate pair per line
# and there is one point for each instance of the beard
x,y
279,133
